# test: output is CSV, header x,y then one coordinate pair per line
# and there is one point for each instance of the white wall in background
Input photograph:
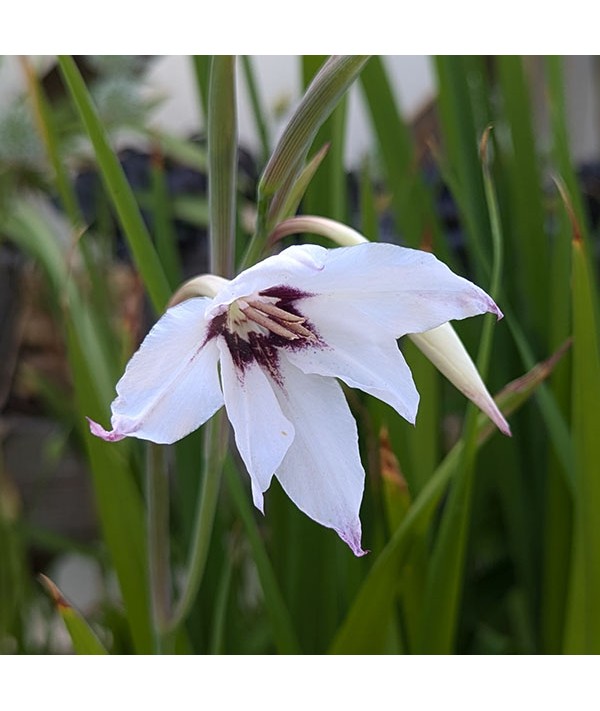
x,y
280,83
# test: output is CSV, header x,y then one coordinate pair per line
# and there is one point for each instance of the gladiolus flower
x,y
271,346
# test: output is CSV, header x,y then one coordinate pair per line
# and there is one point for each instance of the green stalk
x,y
215,447
68,199
217,642
157,494
222,165
123,199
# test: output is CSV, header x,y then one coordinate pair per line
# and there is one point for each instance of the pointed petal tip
x,y
352,538
496,310
504,427
99,431
258,498
489,407
492,306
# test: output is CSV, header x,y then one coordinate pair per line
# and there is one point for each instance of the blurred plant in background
x,y
479,543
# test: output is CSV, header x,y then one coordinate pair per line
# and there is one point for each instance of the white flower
x,y
282,332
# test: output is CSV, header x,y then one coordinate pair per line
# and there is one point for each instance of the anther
x,y
268,323
276,312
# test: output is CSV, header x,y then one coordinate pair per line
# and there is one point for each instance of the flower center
x,y
261,314
257,327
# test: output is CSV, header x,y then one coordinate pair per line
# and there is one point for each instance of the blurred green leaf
x,y
412,203
584,634
82,636
118,188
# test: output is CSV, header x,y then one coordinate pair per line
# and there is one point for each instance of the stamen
x,y
273,326
276,312
301,331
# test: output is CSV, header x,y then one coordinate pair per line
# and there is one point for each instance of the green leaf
x,y
82,636
140,242
527,238
461,125
411,202
201,64
584,636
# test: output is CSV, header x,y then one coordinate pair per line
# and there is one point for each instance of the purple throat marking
x,y
257,327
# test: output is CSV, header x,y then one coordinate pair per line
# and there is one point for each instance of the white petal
x,y
446,351
321,471
292,267
171,385
364,356
403,290
262,433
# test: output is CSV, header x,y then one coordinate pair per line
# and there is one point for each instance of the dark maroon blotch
x,y
263,348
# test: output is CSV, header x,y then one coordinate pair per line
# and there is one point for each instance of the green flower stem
x,y
157,493
215,448
222,165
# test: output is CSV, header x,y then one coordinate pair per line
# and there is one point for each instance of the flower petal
x,y
171,385
361,354
262,433
321,471
291,267
446,351
403,290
